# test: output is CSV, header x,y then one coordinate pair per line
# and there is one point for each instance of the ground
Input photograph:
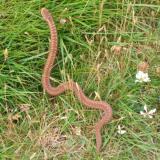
x,y
101,45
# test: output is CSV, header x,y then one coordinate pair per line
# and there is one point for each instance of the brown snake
x,y
70,85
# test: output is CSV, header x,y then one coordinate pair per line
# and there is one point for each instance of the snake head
x,y
46,14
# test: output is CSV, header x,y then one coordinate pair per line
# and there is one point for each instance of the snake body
x,y
70,85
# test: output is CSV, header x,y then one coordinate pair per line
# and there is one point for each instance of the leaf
x,y
14,117
76,130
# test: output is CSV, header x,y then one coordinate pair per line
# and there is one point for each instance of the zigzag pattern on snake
x,y
71,85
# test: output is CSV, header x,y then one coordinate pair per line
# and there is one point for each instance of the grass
x,y
34,125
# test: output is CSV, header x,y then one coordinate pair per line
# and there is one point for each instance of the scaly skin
x,y
71,85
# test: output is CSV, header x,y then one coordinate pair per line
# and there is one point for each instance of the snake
x,y
70,84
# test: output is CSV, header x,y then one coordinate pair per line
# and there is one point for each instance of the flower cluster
x,y
145,113
142,77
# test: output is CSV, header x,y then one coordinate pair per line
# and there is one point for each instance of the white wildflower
x,y
120,130
146,113
142,77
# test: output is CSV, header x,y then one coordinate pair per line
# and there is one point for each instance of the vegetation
x,y
101,43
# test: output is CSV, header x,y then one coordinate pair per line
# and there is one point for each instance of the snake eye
x,y
45,13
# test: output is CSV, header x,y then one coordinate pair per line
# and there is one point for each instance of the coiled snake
x,y
70,85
